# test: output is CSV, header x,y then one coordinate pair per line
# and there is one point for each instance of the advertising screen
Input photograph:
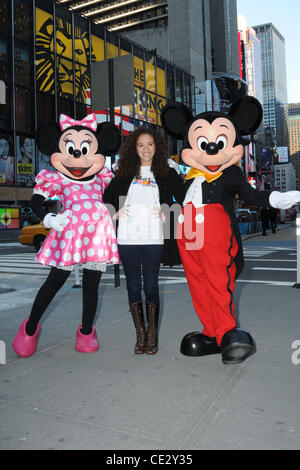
x,y
9,218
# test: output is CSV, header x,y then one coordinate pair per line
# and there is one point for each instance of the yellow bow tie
x,y
193,173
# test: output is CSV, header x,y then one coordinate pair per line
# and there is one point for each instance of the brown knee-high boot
x,y
152,312
137,313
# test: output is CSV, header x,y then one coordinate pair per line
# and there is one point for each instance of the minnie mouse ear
x,y
47,138
109,138
174,119
247,113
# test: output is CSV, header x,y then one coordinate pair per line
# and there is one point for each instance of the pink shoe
x,y
86,343
23,344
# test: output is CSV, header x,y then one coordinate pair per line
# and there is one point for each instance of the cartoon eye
x,y
202,143
70,147
222,142
85,148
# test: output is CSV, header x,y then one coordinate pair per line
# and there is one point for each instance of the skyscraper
x,y
274,83
224,37
251,64
294,132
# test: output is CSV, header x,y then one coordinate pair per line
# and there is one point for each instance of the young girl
x,y
145,180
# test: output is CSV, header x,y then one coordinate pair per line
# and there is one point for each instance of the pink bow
x,y
89,121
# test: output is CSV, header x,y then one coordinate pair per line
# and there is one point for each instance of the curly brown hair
x,y
129,163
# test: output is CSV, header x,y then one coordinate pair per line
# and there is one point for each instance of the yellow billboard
x,y
148,83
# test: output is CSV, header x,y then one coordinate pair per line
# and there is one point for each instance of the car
x,y
242,215
33,235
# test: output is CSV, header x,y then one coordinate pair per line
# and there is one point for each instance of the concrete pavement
x,y
113,399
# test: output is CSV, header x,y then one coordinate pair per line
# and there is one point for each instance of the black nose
x,y
212,148
76,153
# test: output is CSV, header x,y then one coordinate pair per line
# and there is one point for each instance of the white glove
x,y
57,221
284,200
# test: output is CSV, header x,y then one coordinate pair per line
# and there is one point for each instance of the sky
x,y
285,16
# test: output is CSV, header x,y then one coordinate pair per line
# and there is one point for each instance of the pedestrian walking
x,y
264,216
145,181
273,213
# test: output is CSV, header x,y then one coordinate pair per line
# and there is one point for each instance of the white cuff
x,y
47,219
274,199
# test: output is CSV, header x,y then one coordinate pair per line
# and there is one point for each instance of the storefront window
x,y
65,107
7,164
23,20
45,108
6,110
187,89
9,218
23,64
170,82
5,66
24,109
179,86
25,160
5,16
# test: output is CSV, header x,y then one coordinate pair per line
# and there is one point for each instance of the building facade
x,y
199,36
285,177
45,62
251,72
294,142
122,15
274,84
224,37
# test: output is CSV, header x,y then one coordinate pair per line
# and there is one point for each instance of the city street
x,y
113,399
134,106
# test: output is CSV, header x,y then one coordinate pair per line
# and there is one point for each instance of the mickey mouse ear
x,y
47,138
247,113
174,119
109,138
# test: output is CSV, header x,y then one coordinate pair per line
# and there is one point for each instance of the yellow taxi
x,y
34,235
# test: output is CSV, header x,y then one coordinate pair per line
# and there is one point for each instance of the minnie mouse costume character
x,y
83,232
208,236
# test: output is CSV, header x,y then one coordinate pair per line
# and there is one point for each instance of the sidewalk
x,y
113,399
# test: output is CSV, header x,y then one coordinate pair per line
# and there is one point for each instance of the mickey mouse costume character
x,y
83,232
208,236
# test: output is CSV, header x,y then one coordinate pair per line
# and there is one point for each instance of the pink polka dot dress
x,y
90,234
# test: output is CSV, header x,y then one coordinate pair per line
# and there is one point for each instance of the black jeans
x,y
141,261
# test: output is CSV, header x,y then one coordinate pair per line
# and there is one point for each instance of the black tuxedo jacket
x,y
224,190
